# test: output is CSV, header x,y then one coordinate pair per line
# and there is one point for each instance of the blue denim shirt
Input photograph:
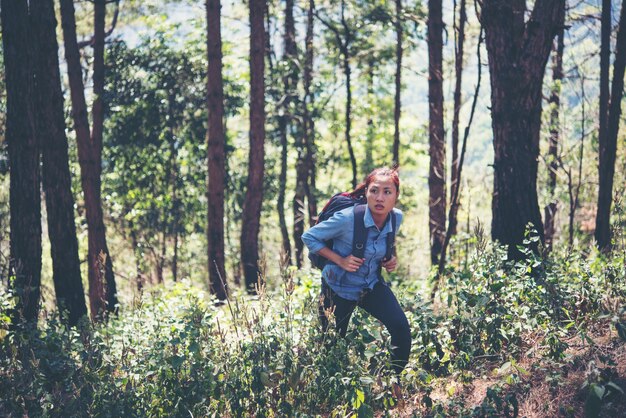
x,y
340,228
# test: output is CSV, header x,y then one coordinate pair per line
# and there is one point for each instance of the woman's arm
x,y
349,263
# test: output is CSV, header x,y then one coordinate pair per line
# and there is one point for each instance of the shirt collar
x,y
368,221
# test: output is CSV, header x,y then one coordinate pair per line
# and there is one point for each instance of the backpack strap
x,y
360,233
391,238
391,246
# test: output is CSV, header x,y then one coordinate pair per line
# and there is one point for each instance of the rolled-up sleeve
x,y
338,224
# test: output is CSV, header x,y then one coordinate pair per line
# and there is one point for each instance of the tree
x,y
291,99
553,160
398,81
309,122
56,177
344,38
459,32
610,111
102,288
23,147
518,52
216,153
285,122
251,217
436,133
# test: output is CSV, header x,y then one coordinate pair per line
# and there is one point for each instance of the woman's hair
x,y
392,173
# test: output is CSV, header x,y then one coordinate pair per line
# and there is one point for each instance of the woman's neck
x,y
379,220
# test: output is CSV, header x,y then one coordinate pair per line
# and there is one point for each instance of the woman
x,y
349,281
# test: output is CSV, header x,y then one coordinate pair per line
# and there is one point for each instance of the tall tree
x,y
285,121
216,152
518,52
291,101
610,113
251,217
102,288
309,122
459,34
56,177
436,133
553,160
23,147
398,80
344,38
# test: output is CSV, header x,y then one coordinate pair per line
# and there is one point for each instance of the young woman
x,y
349,281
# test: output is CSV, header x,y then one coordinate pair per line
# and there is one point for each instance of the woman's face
x,y
381,195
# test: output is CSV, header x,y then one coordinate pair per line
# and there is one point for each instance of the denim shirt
x,y
340,228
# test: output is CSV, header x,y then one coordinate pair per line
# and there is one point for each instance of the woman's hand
x,y
390,265
351,263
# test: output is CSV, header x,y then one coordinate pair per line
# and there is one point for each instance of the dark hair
x,y
360,190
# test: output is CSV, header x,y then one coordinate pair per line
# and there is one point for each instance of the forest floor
x,y
544,388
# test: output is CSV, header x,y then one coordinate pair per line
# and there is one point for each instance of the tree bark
x,y
518,53
309,123
291,104
102,288
437,151
553,160
56,176
23,148
251,217
345,49
458,70
368,163
608,143
398,80
216,154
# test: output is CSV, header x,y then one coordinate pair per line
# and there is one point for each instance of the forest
x,y
162,160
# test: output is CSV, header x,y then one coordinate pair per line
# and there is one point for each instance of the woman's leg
x,y
343,309
382,304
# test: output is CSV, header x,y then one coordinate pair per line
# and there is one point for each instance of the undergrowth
x,y
178,353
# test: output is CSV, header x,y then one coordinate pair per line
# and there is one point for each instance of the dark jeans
x,y
381,303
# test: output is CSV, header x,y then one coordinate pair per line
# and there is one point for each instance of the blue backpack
x,y
341,201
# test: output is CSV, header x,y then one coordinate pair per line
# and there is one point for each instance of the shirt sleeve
x,y
337,225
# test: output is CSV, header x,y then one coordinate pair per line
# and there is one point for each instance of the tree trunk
x,y
216,154
553,160
437,150
518,53
397,103
23,147
608,143
291,105
458,70
368,164
345,50
309,123
251,217
102,289
56,176
97,115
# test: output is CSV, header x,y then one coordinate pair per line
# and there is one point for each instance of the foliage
x,y
155,153
178,353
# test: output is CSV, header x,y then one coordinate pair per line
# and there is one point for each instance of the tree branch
x,y
89,42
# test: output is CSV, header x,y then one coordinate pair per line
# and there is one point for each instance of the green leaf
x,y
359,398
615,387
598,391
365,411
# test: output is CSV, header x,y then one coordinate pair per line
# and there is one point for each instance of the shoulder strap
x,y
391,238
360,233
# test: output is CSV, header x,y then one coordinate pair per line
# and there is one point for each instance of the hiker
x,y
350,280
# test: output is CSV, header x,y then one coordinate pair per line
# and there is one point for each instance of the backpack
x,y
342,201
